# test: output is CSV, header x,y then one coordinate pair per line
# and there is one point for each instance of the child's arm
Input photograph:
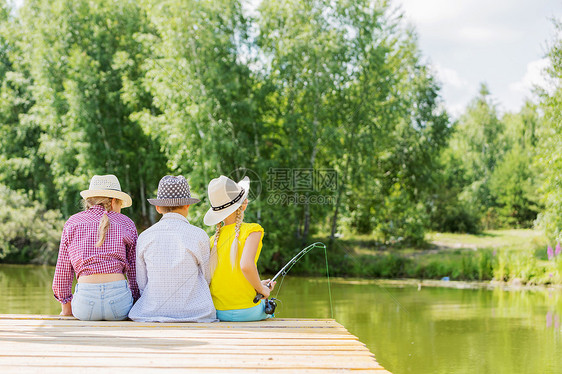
x,y
248,265
206,261
140,269
131,254
64,273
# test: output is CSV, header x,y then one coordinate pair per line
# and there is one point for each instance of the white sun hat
x,y
225,196
107,186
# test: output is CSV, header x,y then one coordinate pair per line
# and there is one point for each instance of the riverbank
x,y
512,257
458,285
515,257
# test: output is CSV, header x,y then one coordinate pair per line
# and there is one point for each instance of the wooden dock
x,y
53,344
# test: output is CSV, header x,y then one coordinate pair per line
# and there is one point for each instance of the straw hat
x,y
225,197
107,186
173,191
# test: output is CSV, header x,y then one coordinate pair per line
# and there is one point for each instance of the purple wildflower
x,y
558,249
550,252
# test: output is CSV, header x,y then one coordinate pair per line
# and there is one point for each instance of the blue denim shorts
x,y
255,313
109,301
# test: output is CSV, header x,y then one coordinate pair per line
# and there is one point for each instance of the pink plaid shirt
x,y
79,255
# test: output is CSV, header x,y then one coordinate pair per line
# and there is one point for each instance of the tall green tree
x,y
478,143
196,68
79,54
352,96
22,167
514,180
488,169
550,143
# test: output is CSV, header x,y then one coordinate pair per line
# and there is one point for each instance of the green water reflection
x,y
431,330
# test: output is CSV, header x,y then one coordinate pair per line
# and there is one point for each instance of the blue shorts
x,y
109,301
255,313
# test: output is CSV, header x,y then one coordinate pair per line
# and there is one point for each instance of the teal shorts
x,y
255,313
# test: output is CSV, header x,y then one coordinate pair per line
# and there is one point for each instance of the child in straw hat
x,y
98,245
235,250
173,262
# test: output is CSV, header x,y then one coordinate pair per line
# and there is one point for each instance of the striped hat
x,y
173,191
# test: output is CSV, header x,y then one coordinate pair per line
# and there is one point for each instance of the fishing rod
x,y
285,269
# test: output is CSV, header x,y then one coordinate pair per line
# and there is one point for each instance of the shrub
x,y
28,231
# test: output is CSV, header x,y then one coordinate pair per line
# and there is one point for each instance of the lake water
x,y
430,330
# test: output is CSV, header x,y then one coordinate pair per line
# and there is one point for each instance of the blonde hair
x,y
213,262
234,246
105,202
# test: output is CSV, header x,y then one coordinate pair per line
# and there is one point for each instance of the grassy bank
x,y
514,256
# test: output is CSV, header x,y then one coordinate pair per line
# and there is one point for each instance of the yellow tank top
x,y
229,288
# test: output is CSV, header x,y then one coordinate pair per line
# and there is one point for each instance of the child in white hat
x,y
235,249
98,245
173,262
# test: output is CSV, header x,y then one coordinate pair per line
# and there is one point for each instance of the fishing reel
x,y
270,305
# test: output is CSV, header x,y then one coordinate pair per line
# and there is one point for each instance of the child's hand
x,y
267,286
66,309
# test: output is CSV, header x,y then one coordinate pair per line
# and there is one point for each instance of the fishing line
x,y
394,299
329,287
289,265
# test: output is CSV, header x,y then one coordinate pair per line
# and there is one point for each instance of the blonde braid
x,y
214,260
234,247
104,222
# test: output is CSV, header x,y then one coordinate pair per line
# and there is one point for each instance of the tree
x,y
352,96
476,147
550,144
514,180
204,113
79,55
21,166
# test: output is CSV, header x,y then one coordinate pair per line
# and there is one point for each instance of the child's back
x,y
229,288
235,249
173,266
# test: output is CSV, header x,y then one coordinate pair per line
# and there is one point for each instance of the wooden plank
x,y
223,361
175,334
124,333
165,327
173,343
187,325
126,351
124,370
17,345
